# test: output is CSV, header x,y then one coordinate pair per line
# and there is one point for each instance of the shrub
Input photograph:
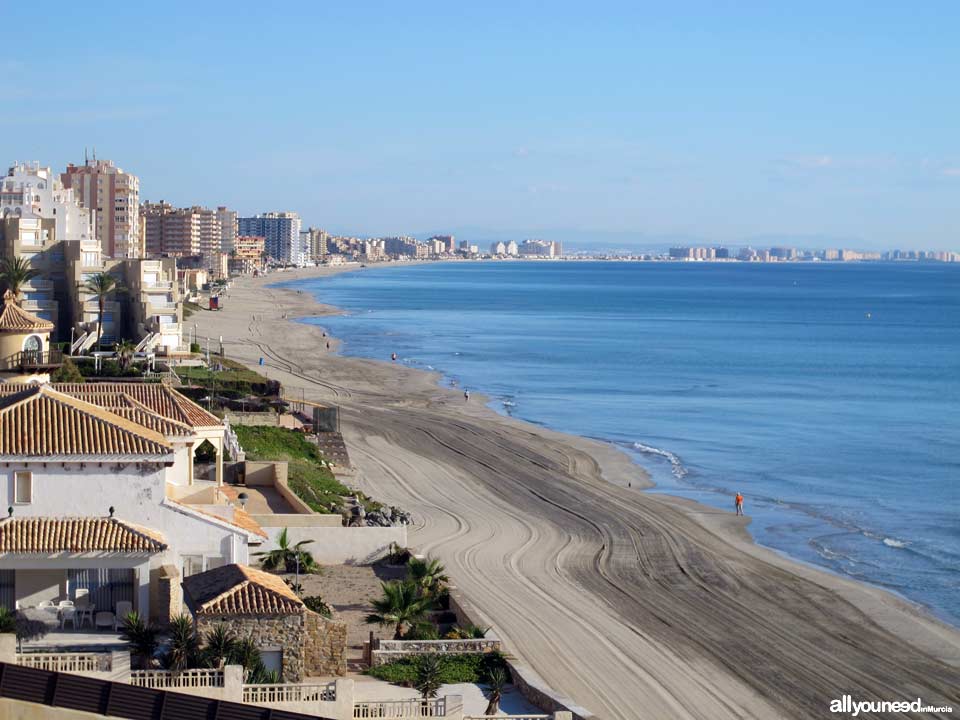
x,y
465,668
467,632
316,603
398,555
68,372
194,347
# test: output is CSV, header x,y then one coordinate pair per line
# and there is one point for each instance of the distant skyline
x,y
615,122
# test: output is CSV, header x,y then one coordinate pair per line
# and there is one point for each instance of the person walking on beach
x,y
738,501
466,396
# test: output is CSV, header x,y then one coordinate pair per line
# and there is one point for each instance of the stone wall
x,y
166,595
268,631
325,646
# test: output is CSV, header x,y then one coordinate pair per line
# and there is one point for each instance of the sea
x,y
827,394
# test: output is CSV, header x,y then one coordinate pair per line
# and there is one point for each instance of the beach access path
x,y
635,605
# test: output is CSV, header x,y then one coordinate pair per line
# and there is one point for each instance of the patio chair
x,y
124,608
68,615
46,605
105,619
65,604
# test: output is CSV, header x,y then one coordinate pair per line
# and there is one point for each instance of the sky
x,y
606,124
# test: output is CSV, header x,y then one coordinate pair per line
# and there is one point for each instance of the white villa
x,y
101,492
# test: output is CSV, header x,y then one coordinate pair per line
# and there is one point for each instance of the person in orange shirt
x,y
738,501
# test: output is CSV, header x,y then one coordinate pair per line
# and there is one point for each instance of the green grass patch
x,y
189,308
466,668
234,375
308,474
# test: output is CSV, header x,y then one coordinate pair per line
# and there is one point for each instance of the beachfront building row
x,y
283,242
43,223
104,494
193,232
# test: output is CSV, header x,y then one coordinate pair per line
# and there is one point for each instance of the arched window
x,y
34,343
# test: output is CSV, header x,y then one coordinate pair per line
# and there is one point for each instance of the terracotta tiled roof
x,y
240,590
241,518
159,398
88,534
139,413
14,318
39,421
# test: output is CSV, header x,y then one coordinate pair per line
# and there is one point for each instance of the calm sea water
x,y
828,394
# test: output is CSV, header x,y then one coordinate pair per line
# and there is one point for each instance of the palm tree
x,y
402,605
285,556
8,621
246,653
219,645
125,350
429,575
495,683
428,680
101,286
142,637
184,648
15,273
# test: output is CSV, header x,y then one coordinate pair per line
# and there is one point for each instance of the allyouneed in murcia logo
x,y
849,706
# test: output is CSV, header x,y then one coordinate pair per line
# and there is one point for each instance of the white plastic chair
x,y
66,604
105,619
68,615
45,604
124,608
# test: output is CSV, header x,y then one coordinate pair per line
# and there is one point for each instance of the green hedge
x,y
466,668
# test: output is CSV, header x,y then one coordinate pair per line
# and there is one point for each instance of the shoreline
x,y
645,480
387,464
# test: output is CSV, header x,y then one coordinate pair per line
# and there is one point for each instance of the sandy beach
x,y
634,605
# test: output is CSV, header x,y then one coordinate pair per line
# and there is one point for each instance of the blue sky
x,y
619,124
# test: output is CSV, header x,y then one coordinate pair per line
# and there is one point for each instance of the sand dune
x,y
632,604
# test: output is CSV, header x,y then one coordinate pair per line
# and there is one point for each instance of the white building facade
x,y
281,234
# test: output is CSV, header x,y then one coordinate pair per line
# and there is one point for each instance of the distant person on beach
x,y
466,395
393,356
738,501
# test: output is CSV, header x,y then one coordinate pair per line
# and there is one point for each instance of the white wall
x,y
137,492
339,545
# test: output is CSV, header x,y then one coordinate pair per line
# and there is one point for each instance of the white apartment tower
x,y
101,186
29,190
281,234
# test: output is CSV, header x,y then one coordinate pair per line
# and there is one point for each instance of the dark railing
x,y
120,700
27,359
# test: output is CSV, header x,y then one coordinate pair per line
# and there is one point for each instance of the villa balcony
x,y
32,360
158,286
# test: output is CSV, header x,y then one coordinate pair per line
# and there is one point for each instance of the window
x,y
192,565
33,344
23,487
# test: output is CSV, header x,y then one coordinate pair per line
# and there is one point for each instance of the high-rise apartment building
x,y
228,229
281,234
183,232
318,244
114,195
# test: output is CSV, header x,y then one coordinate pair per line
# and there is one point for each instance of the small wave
x,y
677,467
508,403
890,542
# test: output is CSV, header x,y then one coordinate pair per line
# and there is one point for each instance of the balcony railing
x,y
32,360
